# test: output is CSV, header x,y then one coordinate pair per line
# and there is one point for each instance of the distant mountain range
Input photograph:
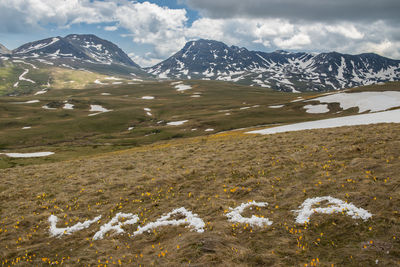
x,y
212,60
280,70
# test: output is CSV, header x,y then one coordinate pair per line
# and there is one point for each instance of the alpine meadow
x,y
199,133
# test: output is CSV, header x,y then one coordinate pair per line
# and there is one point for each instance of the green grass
x,y
55,129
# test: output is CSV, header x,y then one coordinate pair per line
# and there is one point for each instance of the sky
x,y
151,31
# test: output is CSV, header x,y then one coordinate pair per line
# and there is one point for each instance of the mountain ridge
x,y
279,70
214,60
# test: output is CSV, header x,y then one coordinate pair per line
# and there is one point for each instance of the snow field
x,y
372,101
316,109
392,116
28,155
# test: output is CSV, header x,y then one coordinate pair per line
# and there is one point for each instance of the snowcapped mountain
x,y
100,50
4,50
85,47
75,51
280,70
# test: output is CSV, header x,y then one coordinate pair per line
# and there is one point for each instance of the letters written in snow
x,y
195,223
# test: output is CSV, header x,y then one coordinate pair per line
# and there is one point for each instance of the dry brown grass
x,y
207,175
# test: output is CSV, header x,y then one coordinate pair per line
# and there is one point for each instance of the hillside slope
x,y
208,175
4,50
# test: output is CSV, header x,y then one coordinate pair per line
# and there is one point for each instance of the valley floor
x,y
207,175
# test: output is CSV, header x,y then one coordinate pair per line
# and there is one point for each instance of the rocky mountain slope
x,y
280,70
4,50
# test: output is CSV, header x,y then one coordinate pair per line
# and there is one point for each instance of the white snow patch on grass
x,y
372,101
148,97
41,92
99,82
26,128
113,78
235,215
22,77
276,106
28,155
334,206
47,107
58,232
182,87
99,109
392,116
317,109
28,102
177,123
191,220
209,130
176,83
115,225
68,106
31,102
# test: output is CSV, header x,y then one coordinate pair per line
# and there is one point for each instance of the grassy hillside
x,y
207,175
71,133
221,107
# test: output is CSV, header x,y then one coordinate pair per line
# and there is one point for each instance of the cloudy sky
x,y
150,31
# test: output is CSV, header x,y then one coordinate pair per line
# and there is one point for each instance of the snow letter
x,y
54,231
115,225
334,206
235,215
191,219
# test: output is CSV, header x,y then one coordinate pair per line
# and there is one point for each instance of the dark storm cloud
x,y
310,10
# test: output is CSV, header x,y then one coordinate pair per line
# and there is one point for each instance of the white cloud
x,y
297,41
165,30
151,24
385,48
111,28
34,13
148,60
349,31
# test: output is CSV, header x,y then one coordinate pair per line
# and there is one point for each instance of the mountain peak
x,y
86,47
